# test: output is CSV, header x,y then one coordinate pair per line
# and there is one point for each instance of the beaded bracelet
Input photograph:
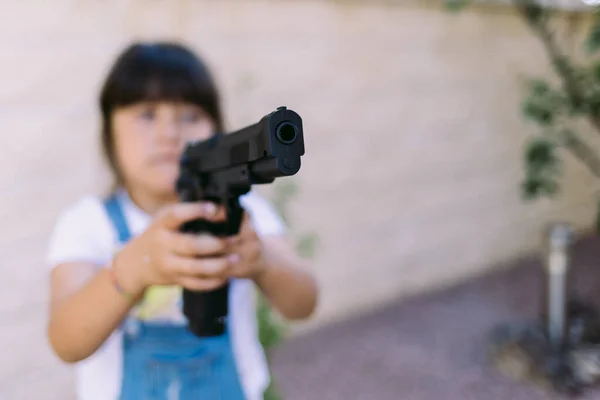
x,y
113,277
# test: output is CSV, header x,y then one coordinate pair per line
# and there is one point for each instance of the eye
x,y
147,113
189,116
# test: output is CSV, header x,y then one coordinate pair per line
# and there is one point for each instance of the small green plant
x,y
285,191
559,109
271,328
271,331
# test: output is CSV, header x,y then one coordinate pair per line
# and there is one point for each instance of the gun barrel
x,y
277,135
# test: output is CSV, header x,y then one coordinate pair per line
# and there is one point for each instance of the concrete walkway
x,y
428,348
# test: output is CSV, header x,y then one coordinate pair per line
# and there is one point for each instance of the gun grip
x,y
234,214
207,311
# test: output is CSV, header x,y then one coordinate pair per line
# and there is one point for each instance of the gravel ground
x,y
431,347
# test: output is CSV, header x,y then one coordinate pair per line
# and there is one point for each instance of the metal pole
x,y
557,268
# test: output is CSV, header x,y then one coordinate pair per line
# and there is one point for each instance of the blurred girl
x,y
119,263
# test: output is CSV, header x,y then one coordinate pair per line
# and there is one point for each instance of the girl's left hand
x,y
246,252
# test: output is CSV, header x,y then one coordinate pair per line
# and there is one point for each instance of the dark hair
x,y
160,71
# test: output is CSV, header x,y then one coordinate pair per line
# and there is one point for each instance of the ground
x,y
431,347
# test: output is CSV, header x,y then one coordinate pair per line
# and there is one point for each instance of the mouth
x,y
167,158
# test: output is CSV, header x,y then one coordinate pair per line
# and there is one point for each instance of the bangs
x,y
156,73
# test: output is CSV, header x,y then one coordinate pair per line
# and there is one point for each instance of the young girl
x,y
119,263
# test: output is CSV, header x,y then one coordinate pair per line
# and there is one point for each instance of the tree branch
x,y
581,150
566,71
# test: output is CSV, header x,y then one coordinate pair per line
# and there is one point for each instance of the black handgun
x,y
220,170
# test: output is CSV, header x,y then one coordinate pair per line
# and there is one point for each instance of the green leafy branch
x,y
285,191
556,108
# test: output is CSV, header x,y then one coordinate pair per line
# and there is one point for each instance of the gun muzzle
x,y
287,133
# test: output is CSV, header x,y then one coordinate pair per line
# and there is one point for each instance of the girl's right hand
x,y
162,255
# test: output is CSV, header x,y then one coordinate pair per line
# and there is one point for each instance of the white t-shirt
x,y
84,232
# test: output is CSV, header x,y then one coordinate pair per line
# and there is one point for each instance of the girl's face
x,y
149,139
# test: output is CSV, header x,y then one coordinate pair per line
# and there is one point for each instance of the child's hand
x,y
163,255
246,252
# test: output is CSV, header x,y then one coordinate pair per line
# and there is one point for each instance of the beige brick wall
x,y
413,140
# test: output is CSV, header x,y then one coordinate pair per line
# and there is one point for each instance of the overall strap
x,y
117,217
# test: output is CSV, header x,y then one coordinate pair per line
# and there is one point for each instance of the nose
x,y
169,131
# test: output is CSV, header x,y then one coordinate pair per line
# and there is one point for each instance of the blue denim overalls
x,y
167,362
